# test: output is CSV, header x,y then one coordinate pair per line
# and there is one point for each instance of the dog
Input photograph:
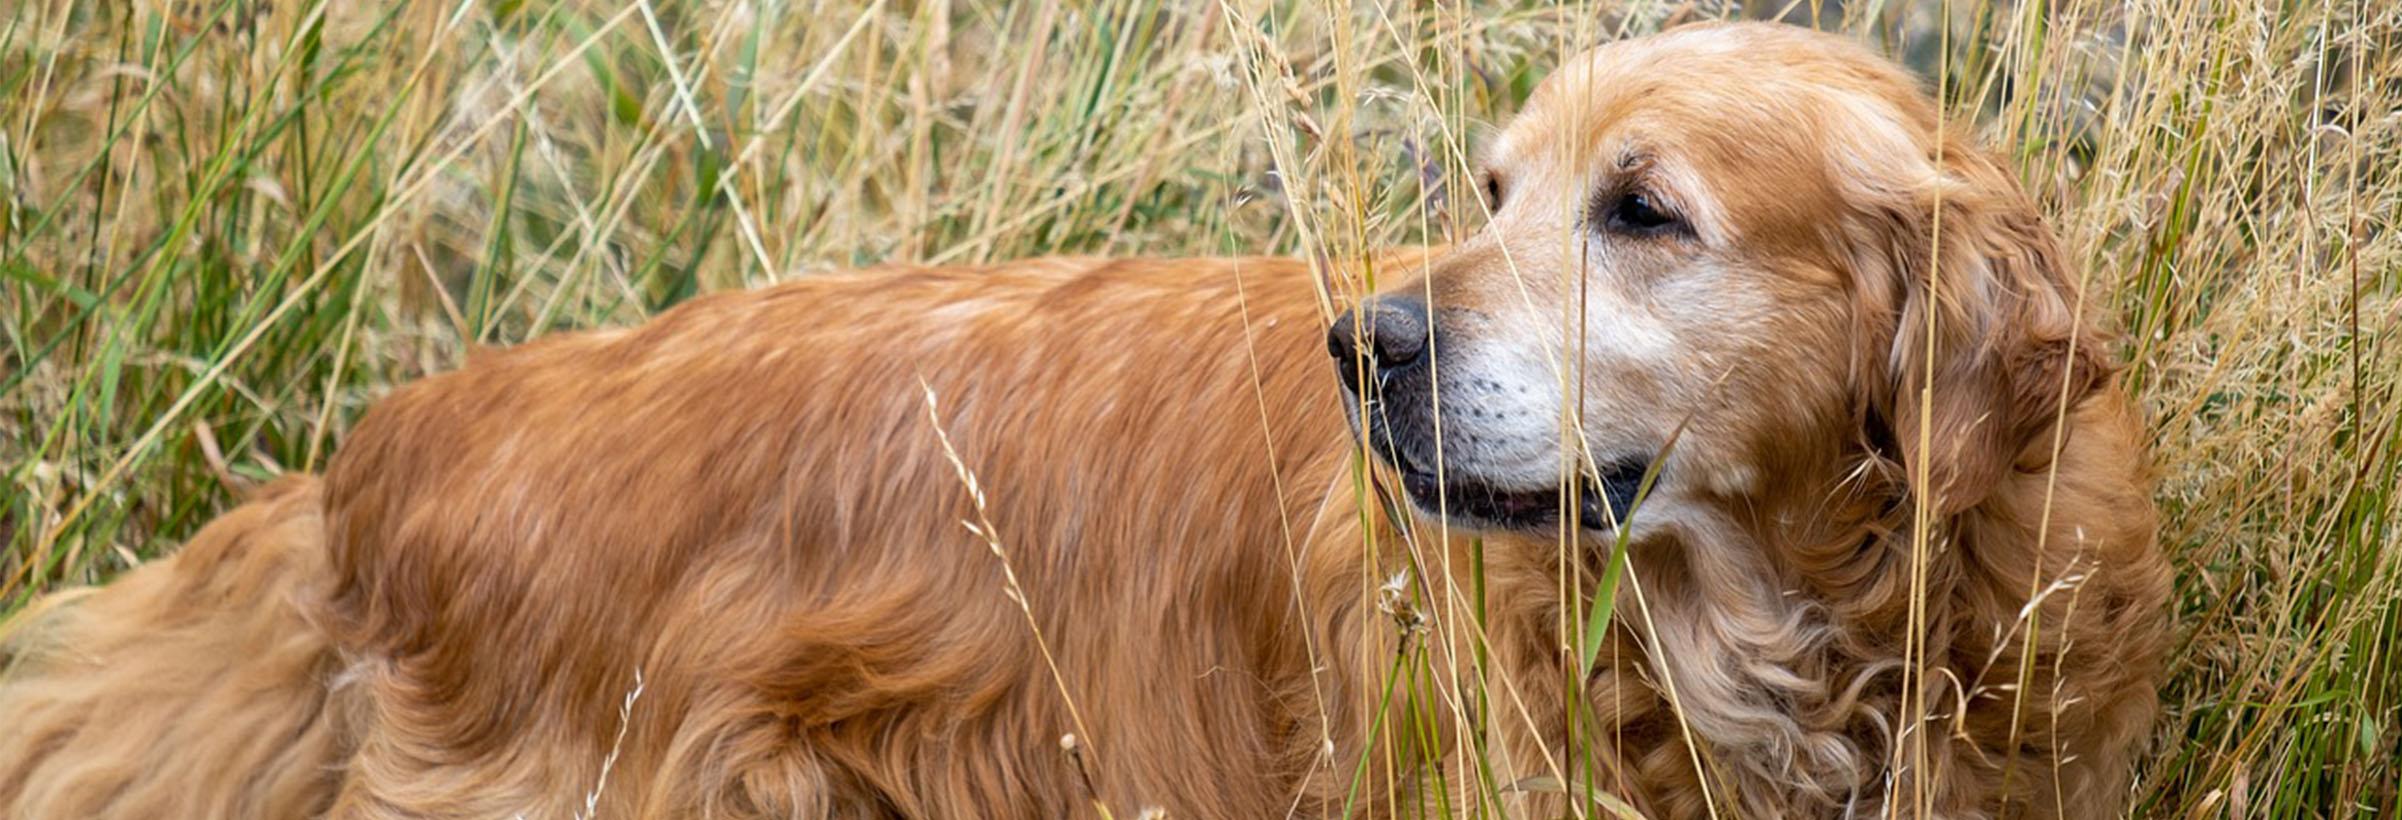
x,y
1754,345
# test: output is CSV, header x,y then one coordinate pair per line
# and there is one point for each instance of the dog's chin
x,y
1596,502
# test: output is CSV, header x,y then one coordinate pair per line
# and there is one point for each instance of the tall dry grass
x,y
226,226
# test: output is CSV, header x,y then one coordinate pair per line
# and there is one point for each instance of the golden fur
x,y
715,565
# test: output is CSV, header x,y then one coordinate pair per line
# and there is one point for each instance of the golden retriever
x,y
1073,537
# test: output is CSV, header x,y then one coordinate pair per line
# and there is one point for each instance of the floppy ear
x,y
1987,346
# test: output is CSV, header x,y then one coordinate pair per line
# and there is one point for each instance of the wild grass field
x,y
227,226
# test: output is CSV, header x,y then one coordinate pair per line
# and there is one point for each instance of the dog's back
x,y
716,565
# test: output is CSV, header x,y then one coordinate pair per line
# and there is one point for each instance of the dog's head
x,y
1752,248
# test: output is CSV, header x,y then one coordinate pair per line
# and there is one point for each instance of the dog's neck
x,y
1777,641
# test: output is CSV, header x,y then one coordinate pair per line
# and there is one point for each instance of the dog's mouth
x,y
1601,498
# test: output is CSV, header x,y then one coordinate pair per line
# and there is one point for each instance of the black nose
x,y
1394,328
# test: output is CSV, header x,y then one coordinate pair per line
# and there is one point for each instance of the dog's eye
x,y
1492,192
1634,212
